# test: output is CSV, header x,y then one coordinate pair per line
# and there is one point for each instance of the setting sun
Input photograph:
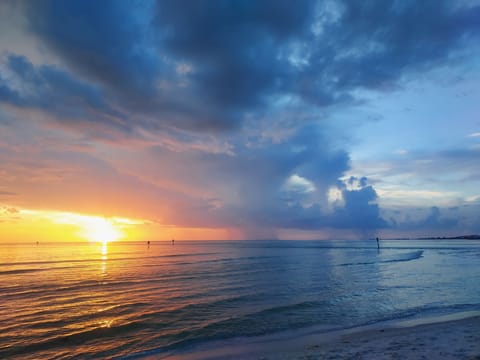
x,y
92,228
102,230
53,226
69,226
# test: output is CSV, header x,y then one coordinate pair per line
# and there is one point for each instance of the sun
x,y
70,226
100,230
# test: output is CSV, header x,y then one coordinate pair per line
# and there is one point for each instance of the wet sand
x,y
458,339
451,339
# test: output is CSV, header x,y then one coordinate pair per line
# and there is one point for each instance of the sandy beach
x,y
447,340
454,339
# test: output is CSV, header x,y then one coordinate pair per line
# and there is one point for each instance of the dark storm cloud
x,y
100,39
111,45
235,46
234,57
251,191
52,90
264,198
375,43
434,220
360,210
241,56
250,185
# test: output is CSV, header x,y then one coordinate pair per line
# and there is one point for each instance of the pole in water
x,y
378,244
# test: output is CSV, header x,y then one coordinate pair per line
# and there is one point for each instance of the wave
x,y
99,259
30,270
72,339
425,311
409,256
20,271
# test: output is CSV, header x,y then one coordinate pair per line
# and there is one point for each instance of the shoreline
x,y
452,336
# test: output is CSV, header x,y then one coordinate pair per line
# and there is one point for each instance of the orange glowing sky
x,y
25,225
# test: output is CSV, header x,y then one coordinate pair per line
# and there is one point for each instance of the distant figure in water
x,y
37,242
148,243
378,244
173,241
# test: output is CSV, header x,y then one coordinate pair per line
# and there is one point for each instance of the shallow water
x,y
128,299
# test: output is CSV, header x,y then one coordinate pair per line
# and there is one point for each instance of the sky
x,y
272,119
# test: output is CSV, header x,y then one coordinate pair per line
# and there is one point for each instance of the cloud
x,y
223,105
10,210
55,92
234,48
243,54
425,177
299,184
261,190
360,210
433,221
208,65
104,41
250,185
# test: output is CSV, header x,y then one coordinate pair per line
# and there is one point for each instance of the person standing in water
x,y
378,244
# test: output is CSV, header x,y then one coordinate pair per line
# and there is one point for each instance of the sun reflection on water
x,y
104,252
106,323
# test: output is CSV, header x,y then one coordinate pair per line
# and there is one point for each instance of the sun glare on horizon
x,y
88,227
101,230
93,228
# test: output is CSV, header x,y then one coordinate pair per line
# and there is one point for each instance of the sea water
x,y
129,300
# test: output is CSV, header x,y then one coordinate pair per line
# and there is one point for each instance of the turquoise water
x,y
129,300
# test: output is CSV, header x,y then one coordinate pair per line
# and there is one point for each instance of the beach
x,y
454,339
447,340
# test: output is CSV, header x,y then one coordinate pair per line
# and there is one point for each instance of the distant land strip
x,y
461,237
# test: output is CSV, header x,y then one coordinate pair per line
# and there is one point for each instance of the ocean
x,y
132,300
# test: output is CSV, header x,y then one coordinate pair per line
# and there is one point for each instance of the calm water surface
x,y
126,300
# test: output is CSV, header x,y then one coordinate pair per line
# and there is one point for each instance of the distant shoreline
x,y
460,237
